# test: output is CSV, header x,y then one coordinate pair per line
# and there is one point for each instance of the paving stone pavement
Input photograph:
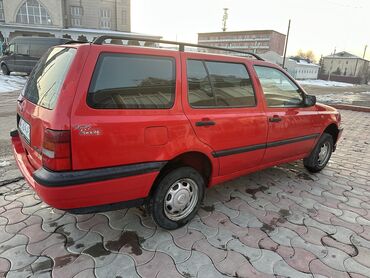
x,y
282,222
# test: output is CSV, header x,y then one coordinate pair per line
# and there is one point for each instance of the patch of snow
x,y
345,98
4,163
324,83
11,82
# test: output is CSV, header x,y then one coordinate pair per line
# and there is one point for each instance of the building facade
x,y
345,67
258,42
68,18
297,67
302,69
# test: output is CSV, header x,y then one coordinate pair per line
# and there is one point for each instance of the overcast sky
x,y
318,25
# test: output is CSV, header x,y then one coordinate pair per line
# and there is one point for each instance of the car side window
x,y
23,49
278,89
219,85
12,48
126,81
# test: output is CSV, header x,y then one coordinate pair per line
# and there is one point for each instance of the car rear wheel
x,y
320,155
5,69
177,198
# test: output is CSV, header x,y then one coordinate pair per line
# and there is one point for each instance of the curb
x,y
351,107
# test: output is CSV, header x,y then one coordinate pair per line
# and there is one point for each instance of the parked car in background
x,y
102,126
22,53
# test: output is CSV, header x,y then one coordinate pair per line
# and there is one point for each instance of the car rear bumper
x,y
88,188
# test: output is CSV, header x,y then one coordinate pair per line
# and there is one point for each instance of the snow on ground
x,y
324,83
11,82
345,98
4,163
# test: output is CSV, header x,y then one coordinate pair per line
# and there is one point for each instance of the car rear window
x,y
45,81
126,81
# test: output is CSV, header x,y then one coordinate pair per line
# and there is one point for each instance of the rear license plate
x,y
25,129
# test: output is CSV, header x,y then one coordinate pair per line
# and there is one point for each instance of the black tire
x,y
5,69
313,162
157,201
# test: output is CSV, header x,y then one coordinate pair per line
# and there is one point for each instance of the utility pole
x,y
224,19
363,57
286,44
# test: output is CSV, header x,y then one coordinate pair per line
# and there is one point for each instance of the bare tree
x,y
309,54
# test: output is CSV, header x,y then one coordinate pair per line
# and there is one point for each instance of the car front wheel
x,y
177,198
5,69
320,155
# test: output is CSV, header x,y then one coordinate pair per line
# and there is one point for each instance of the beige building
x,y
68,18
259,41
346,67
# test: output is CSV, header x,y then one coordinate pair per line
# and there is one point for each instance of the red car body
x,y
116,155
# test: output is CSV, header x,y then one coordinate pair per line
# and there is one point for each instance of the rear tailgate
x,y
39,105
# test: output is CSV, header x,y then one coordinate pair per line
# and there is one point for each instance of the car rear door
x,y
292,128
128,108
224,110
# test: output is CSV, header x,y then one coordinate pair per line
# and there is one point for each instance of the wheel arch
x,y
333,130
195,159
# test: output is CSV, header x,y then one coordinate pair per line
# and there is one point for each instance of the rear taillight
x,y
56,150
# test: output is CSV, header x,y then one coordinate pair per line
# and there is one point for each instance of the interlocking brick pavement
x,y
282,222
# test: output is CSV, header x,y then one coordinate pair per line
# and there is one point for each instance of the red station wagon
x,y
103,126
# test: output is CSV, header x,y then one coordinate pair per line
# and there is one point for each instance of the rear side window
x,y
47,78
124,81
219,84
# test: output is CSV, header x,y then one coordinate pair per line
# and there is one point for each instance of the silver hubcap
x,y
181,199
324,154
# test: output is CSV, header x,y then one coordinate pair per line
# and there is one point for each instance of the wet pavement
x,y
282,221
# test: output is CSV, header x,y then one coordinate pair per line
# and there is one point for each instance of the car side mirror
x,y
309,100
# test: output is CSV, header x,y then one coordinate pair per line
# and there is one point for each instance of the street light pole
x,y
224,19
286,44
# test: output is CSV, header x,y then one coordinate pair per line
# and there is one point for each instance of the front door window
x,y
278,89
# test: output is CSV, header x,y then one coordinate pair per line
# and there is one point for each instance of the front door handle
x,y
205,123
275,119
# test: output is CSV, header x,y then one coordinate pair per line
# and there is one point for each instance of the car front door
x,y
9,57
225,113
293,128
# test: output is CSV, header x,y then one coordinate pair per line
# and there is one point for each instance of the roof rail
x,y
73,41
99,40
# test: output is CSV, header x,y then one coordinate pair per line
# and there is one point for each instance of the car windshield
x,y
46,79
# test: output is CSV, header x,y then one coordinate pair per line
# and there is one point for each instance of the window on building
x,y
32,12
75,22
124,17
76,14
122,81
2,17
105,18
219,85
76,11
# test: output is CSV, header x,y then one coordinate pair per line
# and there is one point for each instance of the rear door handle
x,y
275,119
205,123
